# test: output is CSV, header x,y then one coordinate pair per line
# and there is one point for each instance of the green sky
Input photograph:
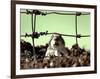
x,y
64,24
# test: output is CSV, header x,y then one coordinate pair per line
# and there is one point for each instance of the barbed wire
x,y
38,34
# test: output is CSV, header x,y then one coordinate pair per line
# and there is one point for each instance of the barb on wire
x,y
36,12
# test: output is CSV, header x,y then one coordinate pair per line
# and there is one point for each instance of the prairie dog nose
x,y
56,43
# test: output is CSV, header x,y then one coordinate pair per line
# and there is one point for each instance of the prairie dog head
x,y
56,41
